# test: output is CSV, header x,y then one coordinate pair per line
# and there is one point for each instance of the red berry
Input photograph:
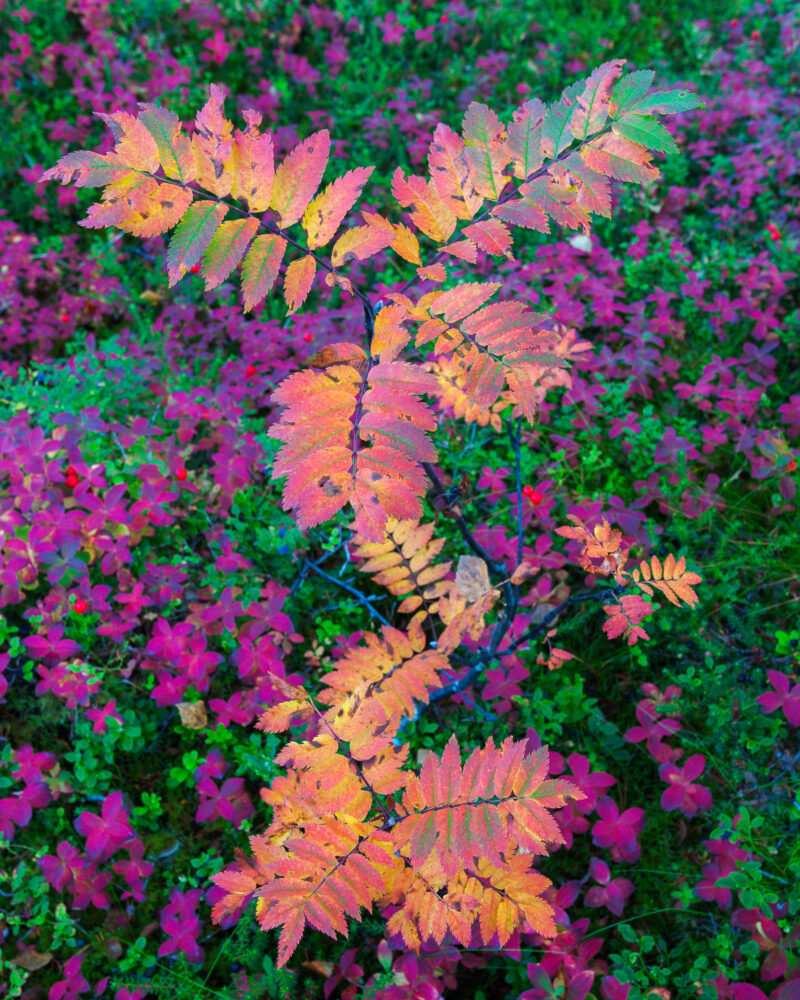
x,y
792,466
755,35
444,19
71,471
181,474
64,317
527,490
72,481
250,370
735,22
80,605
535,498
194,269
306,337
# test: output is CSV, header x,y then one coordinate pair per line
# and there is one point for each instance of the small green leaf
x,y
668,102
648,132
632,88
191,239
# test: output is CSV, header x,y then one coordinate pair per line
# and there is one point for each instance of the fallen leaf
x,y
31,959
321,968
193,714
472,578
524,571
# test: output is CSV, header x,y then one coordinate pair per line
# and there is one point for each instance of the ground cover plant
x,y
158,599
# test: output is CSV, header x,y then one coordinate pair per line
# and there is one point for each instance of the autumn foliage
x,y
448,848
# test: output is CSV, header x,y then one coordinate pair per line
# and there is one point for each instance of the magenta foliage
x,y
620,832
180,923
682,792
73,984
770,939
578,985
611,893
106,832
726,856
785,696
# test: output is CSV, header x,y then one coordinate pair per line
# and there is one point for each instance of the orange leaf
x,y
260,268
464,249
428,211
297,281
405,244
457,303
491,236
593,103
298,177
174,149
363,446
434,272
252,164
524,138
522,212
486,150
191,239
212,144
390,336
325,213
340,353
523,572
671,579
618,157
450,172
359,243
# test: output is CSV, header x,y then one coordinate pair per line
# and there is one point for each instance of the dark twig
x,y
454,687
461,523
362,598
483,657
515,441
536,630
307,564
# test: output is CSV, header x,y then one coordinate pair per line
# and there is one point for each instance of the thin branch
x,y
362,598
536,630
303,571
486,656
461,523
515,442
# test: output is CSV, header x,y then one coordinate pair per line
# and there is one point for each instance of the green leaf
x,y
191,239
226,249
556,135
632,88
647,132
165,128
668,102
